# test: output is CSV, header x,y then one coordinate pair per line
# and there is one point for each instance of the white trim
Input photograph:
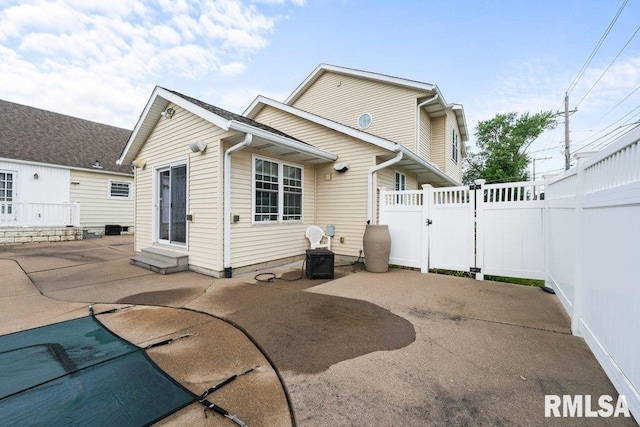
x,y
156,204
226,208
51,165
371,197
397,81
370,120
363,136
402,174
129,185
357,73
160,98
280,214
281,140
355,133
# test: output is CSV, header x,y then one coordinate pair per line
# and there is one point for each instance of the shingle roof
x,y
232,116
36,135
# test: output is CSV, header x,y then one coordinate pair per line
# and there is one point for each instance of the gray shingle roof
x,y
36,135
232,116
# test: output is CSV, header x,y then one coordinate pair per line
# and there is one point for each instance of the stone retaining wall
x,y
17,235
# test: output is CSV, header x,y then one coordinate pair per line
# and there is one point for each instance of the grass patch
x,y
514,280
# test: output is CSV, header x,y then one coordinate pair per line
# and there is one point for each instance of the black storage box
x,y
319,264
112,230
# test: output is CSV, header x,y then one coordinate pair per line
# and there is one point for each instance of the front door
x,y
172,205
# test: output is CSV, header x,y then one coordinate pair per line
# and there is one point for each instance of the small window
x,y
364,121
277,191
454,145
401,181
120,190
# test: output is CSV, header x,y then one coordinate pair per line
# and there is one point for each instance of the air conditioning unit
x,y
112,230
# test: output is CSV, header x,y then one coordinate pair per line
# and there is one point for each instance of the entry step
x,y
161,261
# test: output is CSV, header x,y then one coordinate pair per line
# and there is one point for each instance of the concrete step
x,y
161,261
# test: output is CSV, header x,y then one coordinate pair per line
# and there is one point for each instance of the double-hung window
x,y
454,145
277,195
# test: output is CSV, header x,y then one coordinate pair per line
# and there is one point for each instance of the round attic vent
x,y
364,121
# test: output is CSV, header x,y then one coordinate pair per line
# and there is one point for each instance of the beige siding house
x,y
231,193
408,112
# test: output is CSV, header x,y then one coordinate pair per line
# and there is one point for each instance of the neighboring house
x,y
228,192
59,177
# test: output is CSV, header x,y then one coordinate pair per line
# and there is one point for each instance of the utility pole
x,y
567,153
534,173
534,165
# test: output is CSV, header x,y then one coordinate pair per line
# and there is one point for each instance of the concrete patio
x,y
401,348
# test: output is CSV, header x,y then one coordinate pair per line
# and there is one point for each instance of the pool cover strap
x,y
80,373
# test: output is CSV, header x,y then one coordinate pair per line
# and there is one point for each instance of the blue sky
x,y
101,60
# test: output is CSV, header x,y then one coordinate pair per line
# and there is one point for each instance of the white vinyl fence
x,y
486,229
593,248
582,238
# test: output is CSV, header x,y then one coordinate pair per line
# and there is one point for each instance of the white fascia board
x,y
283,141
372,139
462,121
207,115
136,129
413,156
169,97
51,165
357,73
32,163
254,108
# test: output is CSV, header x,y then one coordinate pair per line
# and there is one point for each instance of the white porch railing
x,y
28,214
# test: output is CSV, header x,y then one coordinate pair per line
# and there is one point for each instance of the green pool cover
x,y
79,373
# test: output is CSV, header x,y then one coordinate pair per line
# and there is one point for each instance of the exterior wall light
x,y
168,113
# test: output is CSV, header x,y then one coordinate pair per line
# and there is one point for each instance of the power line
x,y
612,139
595,50
615,106
609,66
608,135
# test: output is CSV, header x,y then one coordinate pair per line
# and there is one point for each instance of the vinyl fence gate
x,y
495,229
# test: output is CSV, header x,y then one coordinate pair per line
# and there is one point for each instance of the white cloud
x,y
100,60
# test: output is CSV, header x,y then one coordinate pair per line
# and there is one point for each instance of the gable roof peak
x,y
385,78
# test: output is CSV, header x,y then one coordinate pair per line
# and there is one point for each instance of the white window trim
x,y
280,164
454,146
397,172
155,204
115,181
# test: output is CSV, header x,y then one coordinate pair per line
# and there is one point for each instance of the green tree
x,y
502,143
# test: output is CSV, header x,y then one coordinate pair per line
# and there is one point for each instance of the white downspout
x,y
226,250
422,104
370,194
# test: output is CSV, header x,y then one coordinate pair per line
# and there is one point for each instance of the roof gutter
x,y
422,104
370,194
226,250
